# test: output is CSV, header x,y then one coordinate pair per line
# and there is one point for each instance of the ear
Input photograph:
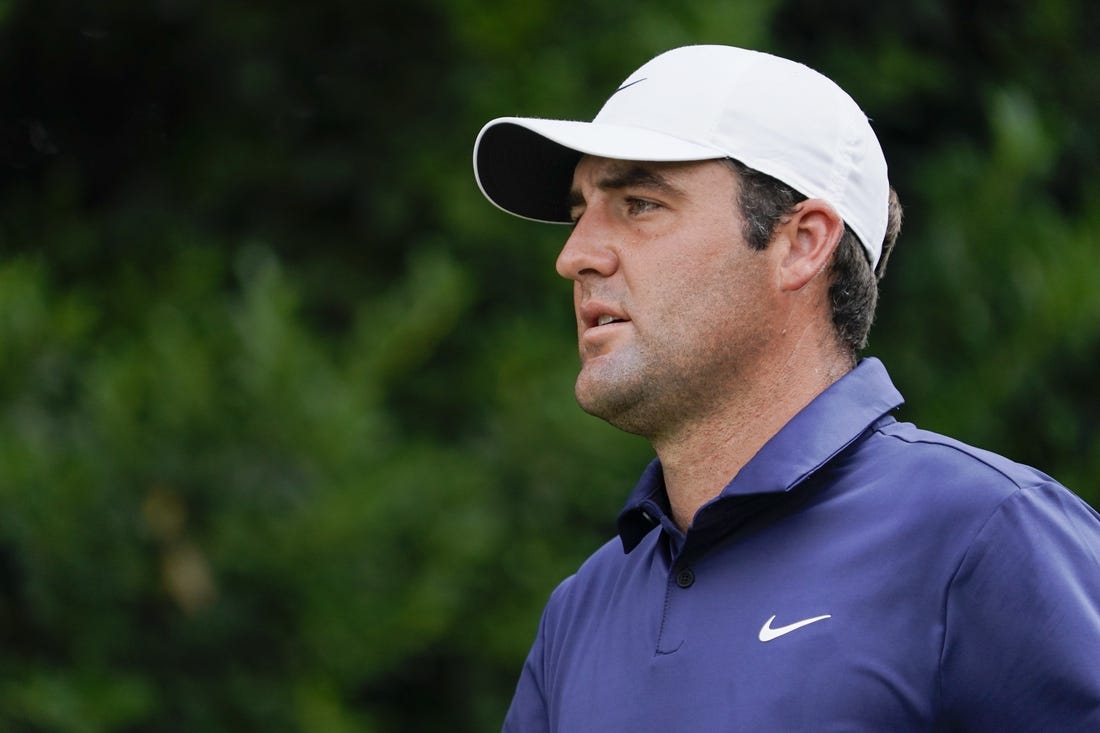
x,y
812,234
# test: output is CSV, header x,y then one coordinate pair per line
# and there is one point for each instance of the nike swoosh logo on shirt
x,y
767,633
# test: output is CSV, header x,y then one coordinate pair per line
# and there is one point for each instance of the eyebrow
x,y
633,176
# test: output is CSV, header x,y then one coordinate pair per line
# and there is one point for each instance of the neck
x,y
701,457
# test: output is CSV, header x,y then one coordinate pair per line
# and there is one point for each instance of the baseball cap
x,y
700,103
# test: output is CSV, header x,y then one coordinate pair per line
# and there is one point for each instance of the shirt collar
x,y
830,423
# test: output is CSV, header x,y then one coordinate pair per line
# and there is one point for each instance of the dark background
x,y
287,437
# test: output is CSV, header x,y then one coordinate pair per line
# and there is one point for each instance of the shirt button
x,y
685,578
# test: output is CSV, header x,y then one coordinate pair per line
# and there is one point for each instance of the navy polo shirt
x,y
858,574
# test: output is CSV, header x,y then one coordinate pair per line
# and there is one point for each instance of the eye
x,y
636,206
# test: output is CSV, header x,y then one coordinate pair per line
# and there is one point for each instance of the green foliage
x,y
1009,293
286,431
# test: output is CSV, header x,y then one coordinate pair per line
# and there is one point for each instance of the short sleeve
x,y
1022,621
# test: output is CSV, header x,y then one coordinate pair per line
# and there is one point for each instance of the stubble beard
x,y
629,394
659,393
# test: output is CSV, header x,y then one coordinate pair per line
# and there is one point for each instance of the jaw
x,y
615,387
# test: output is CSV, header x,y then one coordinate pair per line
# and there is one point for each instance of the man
x,y
794,559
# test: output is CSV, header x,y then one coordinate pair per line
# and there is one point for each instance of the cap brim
x,y
525,165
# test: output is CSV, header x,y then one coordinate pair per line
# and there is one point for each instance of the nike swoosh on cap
x,y
767,633
624,86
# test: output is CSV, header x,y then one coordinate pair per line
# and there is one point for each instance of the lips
x,y
595,315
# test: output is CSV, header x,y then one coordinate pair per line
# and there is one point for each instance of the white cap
x,y
700,103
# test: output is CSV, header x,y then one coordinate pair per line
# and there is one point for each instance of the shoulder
x,y
934,486
601,569
1023,609
1017,512
930,459
608,573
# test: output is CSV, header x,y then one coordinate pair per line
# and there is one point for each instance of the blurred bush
x,y
287,439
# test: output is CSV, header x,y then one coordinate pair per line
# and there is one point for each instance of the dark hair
x,y
766,202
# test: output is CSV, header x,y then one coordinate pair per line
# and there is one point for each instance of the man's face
x,y
673,307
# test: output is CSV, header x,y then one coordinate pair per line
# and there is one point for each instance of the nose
x,y
588,251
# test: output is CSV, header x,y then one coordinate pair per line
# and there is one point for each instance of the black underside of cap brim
x,y
525,173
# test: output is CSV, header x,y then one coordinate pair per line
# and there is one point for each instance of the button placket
x,y
676,619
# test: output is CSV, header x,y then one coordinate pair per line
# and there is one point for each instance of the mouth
x,y
594,314
602,329
599,321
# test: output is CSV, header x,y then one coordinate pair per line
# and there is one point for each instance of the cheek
x,y
681,302
695,280
720,298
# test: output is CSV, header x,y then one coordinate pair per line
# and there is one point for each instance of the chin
x,y
622,408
